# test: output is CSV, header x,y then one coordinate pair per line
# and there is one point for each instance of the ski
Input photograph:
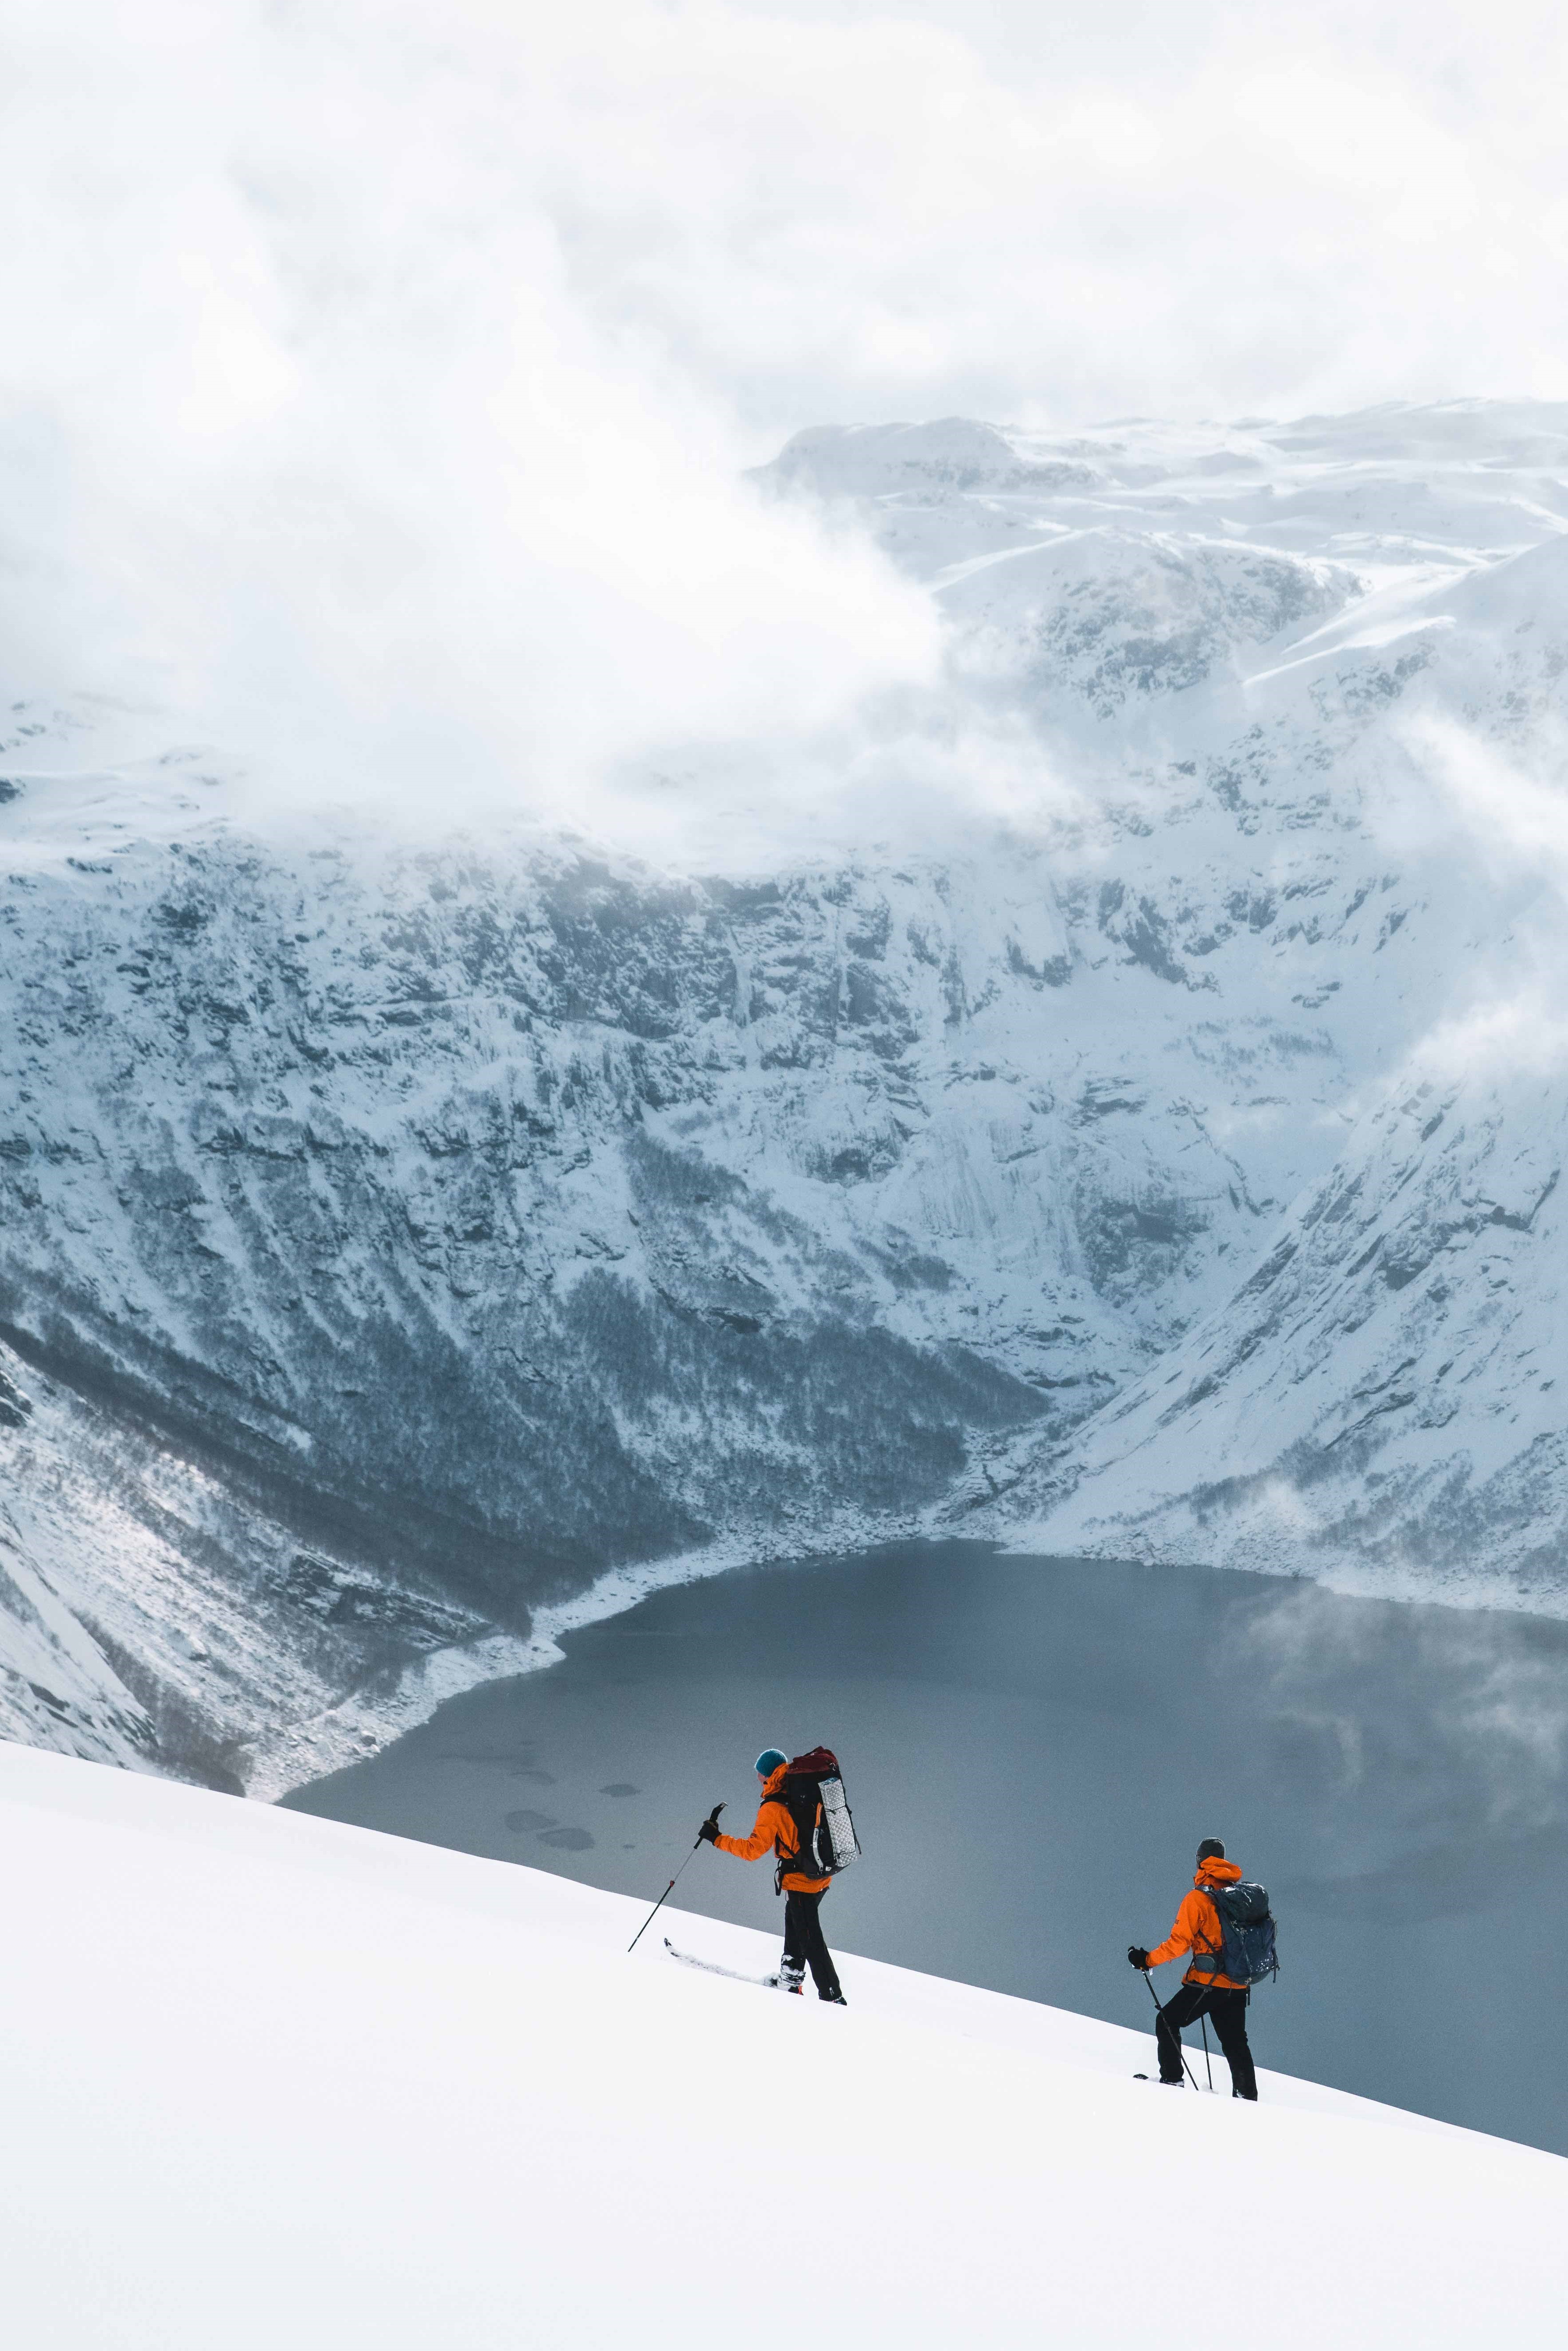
x,y
738,1975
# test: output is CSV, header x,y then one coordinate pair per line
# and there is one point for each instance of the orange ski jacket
x,y
775,1832
1198,1930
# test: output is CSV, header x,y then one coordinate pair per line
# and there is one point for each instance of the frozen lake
x,y
1033,1748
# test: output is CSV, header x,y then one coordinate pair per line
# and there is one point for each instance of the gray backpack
x,y
1247,1927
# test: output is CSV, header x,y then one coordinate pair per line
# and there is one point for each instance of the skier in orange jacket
x,y
776,1833
1206,1988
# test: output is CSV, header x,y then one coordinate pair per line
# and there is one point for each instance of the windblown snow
x,y
399,1241
277,2081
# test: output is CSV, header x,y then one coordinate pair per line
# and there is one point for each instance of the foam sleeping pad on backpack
x,y
813,1793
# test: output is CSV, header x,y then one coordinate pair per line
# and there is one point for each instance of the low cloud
x,y
1469,1706
313,448
379,378
1490,822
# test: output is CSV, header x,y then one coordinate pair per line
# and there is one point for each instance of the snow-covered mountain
x,y
285,2082
1346,639
393,1238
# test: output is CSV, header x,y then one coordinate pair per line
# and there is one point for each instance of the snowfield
x,y
274,2082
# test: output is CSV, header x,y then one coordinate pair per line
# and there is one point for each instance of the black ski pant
x,y
1228,2009
804,1946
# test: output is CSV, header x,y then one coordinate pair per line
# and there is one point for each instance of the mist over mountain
x,y
1132,1121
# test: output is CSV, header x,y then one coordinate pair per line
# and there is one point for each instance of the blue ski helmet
x,y
770,1759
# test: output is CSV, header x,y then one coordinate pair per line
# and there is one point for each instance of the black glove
x,y
709,1833
1138,1956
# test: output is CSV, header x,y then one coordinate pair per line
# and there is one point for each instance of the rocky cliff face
x,y
393,1240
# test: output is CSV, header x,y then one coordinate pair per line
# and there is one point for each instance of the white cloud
x,y
309,437
377,377
1514,809
1496,818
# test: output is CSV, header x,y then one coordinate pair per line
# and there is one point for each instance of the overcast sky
x,y
385,366
841,210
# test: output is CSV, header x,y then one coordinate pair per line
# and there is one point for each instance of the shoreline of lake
x,y
365,1721
1033,1748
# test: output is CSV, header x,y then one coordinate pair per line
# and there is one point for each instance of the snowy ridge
x,y
396,1242
451,2108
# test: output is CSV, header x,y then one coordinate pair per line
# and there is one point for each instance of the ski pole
x,y
1203,2027
671,1888
1154,1995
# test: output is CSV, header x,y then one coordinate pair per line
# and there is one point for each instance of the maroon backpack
x,y
814,1796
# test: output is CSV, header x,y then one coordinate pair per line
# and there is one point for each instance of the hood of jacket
x,y
1212,1873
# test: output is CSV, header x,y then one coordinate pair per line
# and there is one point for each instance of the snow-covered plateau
x,y
406,1241
279,2081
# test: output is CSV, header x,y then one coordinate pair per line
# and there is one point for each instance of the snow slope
x,y
283,2082
395,1239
